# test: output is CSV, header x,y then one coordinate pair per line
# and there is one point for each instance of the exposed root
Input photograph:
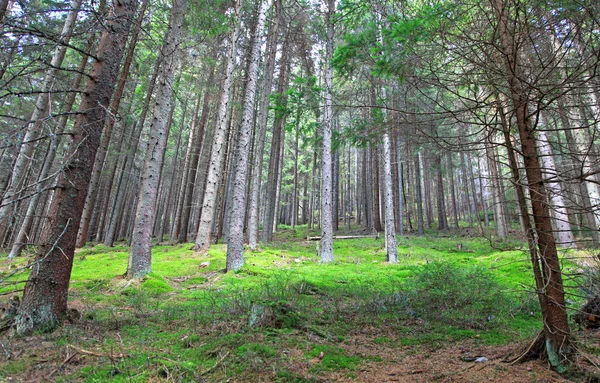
x,y
534,350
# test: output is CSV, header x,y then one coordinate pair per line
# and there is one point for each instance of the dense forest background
x,y
150,122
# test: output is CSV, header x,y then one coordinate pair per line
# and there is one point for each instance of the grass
x,y
188,320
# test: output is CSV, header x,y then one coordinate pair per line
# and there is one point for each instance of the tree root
x,y
535,350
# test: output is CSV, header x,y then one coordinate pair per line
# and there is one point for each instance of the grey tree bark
x,y
202,241
140,256
326,246
235,244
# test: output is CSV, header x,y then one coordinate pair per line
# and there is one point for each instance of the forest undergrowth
x,y
287,318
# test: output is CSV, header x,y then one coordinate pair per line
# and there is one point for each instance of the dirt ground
x,y
49,361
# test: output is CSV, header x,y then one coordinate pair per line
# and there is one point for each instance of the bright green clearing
x,y
189,320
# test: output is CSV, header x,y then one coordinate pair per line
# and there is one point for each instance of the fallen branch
x,y
64,363
215,365
91,353
318,238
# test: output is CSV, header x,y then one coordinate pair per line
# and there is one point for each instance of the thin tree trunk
x,y
140,256
202,241
193,163
235,245
326,245
441,199
419,196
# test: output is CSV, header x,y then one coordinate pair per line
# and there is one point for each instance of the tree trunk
x,y
140,256
262,127
559,211
326,245
441,199
376,207
419,196
90,200
501,229
45,298
235,245
269,221
193,163
552,300
202,241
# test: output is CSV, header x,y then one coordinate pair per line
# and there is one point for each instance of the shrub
x,y
457,295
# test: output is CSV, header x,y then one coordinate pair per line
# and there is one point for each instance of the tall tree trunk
x,y
552,299
202,241
269,221
419,196
45,298
140,256
262,128
501,229
235,244
452,189
90,200
193,163
400,187
441,199
559,211
375,173
326,245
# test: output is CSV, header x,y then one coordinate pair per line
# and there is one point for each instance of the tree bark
x,y
45,298
552,299
90,200
202,241
326,245
235,244
140,256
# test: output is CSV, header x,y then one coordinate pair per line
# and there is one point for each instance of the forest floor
x,y
286,318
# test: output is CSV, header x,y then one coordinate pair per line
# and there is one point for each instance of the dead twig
x,y
215,365
96,354
64,363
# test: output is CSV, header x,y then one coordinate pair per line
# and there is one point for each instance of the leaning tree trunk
x,y
556,326
326,246
213,177
140,256
44,178
16,184
45,298
90,200
235,244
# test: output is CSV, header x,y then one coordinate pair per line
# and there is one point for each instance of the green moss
x,y
333,358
